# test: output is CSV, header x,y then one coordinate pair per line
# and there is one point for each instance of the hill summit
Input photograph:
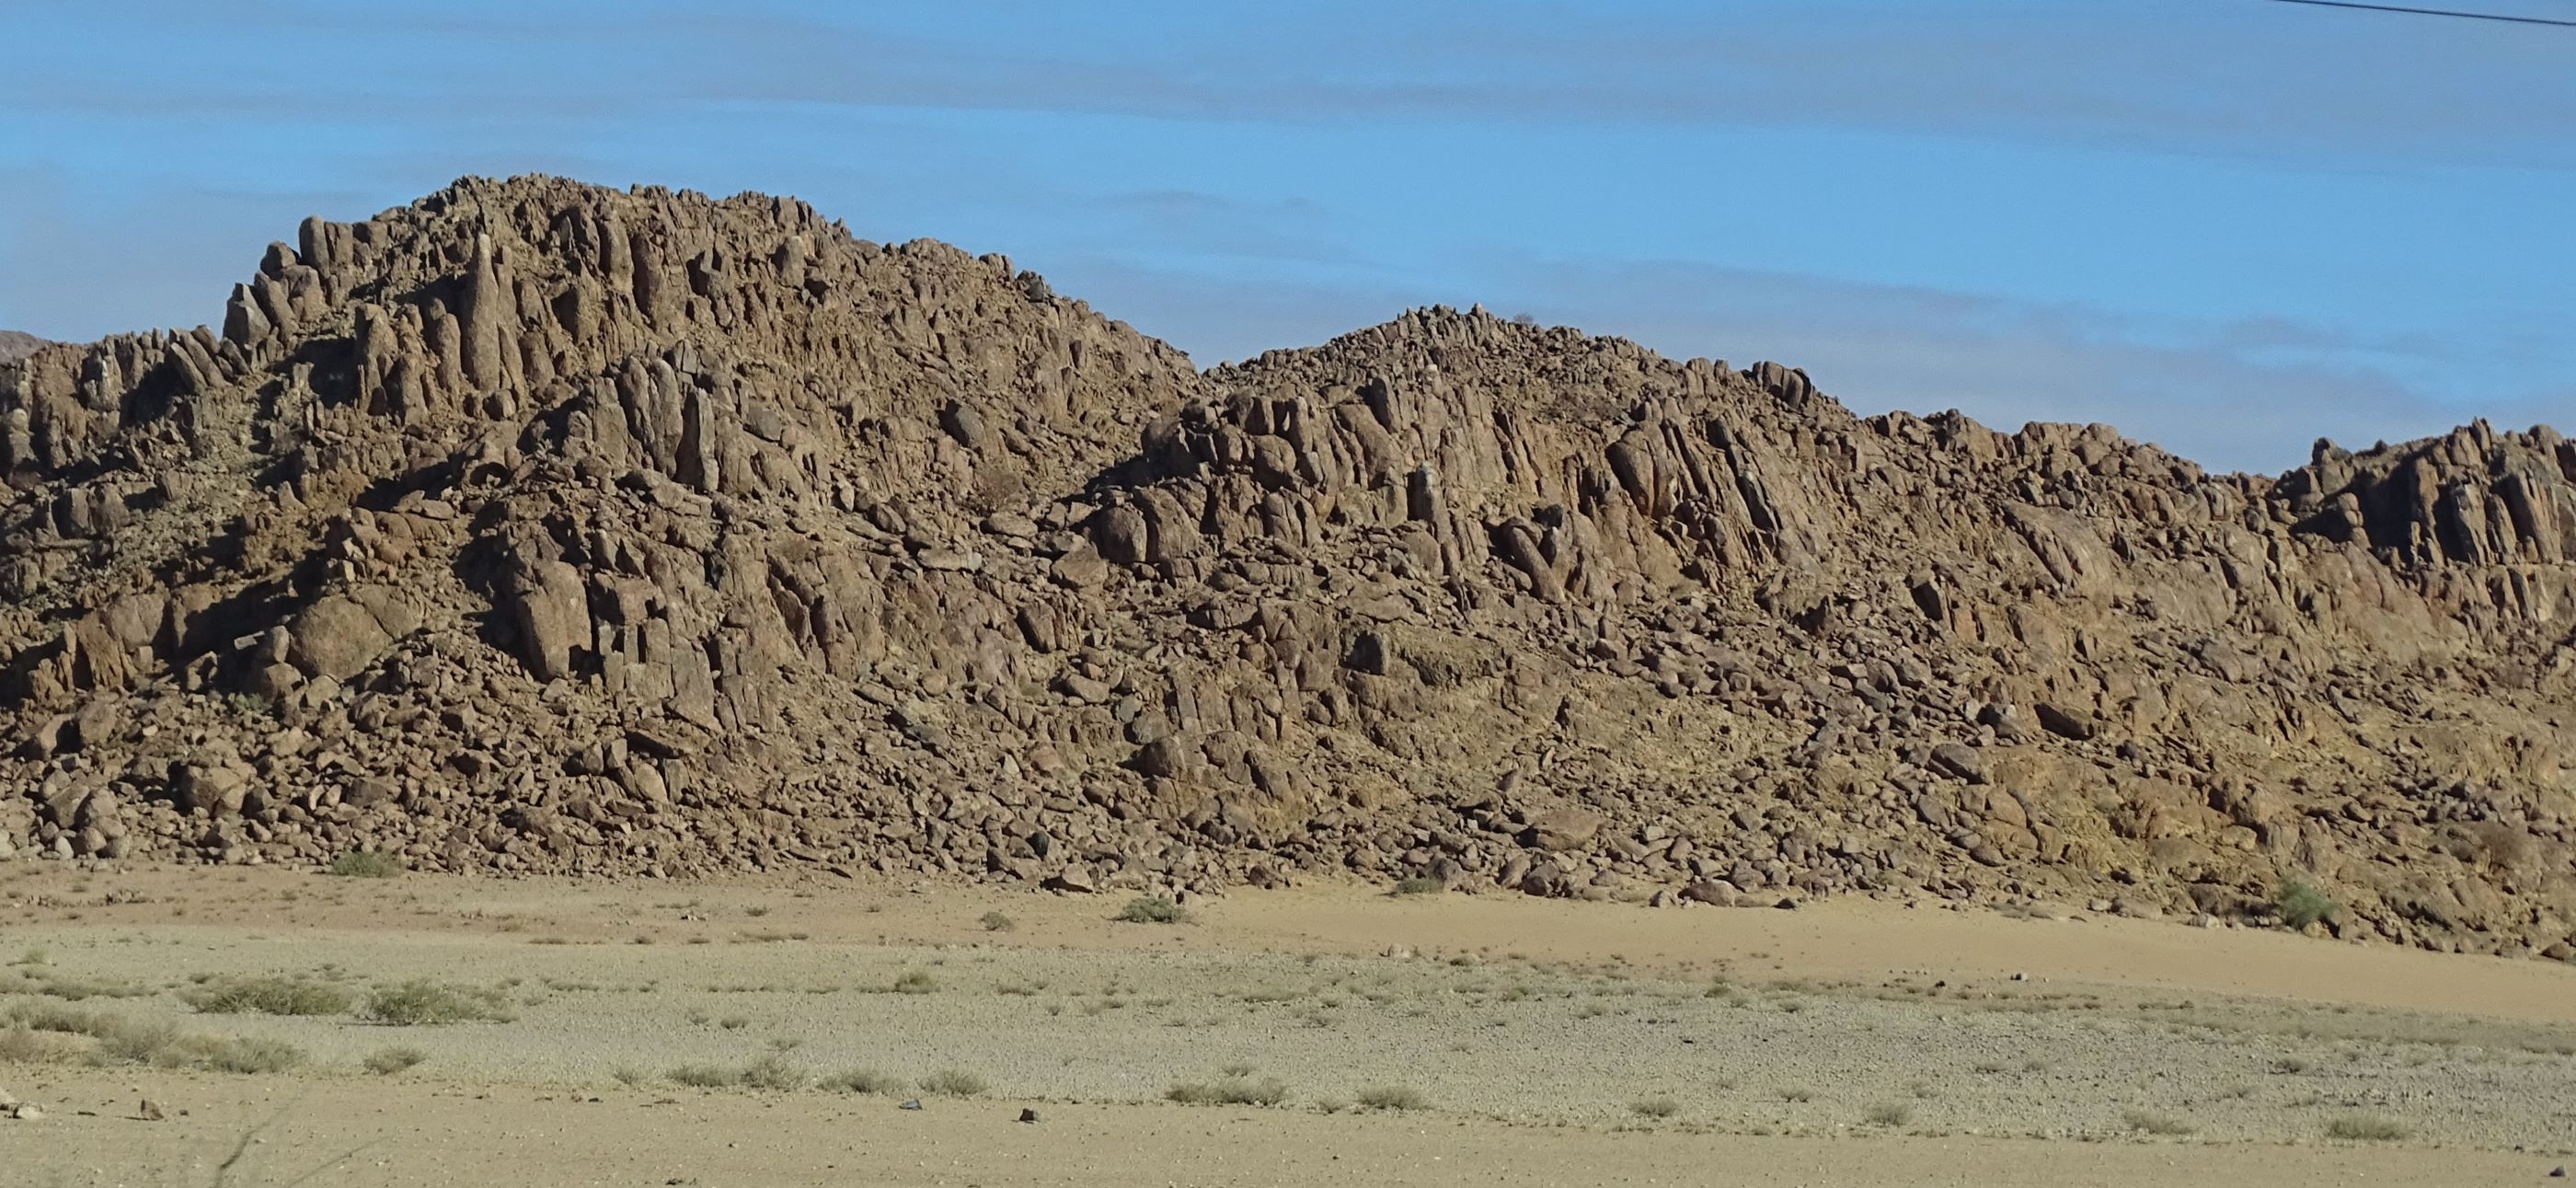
x,y
542,527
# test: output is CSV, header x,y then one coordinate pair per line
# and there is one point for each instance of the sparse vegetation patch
x,y
1230,1090
953,1082
422,1002
387,1061
365,864
1393,1097
2301,905
269,996
1151,909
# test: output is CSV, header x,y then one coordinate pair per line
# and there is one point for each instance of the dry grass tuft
x,y
385,1062
864,1080
2157,1122
365,864
423,1002
1151,909
1234,1089
2375,1128
1393,1097
953,1082
269,996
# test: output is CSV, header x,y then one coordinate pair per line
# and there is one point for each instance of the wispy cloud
x,y
2326,89
2231,395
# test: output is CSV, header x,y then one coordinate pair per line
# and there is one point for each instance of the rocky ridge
x,y
536,526
17,344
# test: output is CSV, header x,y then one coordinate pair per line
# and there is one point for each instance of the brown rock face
x,y
542,527
17,344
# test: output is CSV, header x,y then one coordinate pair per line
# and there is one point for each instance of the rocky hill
x,y
536,526
17,344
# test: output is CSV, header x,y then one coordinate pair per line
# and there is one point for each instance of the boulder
x,y
1564,829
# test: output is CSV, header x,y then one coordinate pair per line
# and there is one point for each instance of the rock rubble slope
x,y
536,526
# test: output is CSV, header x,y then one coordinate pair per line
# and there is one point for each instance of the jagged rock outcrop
x,y
542,527
17,344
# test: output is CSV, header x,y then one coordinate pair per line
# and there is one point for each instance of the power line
x,y
2444,12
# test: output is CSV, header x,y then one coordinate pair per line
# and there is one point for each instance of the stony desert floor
x,y
759,1033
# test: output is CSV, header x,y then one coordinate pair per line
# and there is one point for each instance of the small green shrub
x,y
269,996
997,922
54,1017
2301,904
915,981
385,1062
1393,1097
162,1045
247,1055
701,1076
157,1044
1151,909
1655,1107
772,1072
21,1044
1420,885
1893,1113
953,1082
365,864
1232,1090
423,1002
71,989
864,1080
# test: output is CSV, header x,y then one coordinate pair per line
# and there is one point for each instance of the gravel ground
x,y
1512,1039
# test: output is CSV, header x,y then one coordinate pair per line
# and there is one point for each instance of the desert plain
x,y
797,1030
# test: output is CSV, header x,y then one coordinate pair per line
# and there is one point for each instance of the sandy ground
x,y
418,1134
1852,1042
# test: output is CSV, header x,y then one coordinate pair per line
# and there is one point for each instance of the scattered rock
x,y
1718,894
1560,830
1960,761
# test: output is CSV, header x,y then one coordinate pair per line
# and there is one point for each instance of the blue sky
x,y
2227,226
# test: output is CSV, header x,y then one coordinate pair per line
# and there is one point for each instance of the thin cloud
x,y
2213,393
2329,92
